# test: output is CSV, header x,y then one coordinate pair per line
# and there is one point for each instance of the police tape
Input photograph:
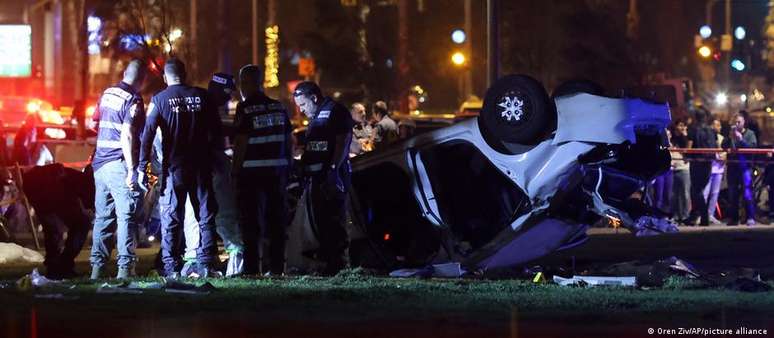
x,y
741,151
755,154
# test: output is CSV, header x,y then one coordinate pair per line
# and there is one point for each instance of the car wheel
x,y
516,110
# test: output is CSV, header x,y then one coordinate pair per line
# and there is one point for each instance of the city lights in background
x,y
740,33
93,25
458,59
721,99
705,31
15,50
458,36
705,52
175,34
737,65
743,98
271,78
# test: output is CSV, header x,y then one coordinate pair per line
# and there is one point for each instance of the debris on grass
x,y
11,253
592,281
446,270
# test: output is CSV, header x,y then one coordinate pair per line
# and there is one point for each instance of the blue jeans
x,y
179,185
115,214
740,182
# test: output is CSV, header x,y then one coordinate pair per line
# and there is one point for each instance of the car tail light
x,y
55,133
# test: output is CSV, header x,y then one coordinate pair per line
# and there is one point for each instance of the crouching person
x,y
62,198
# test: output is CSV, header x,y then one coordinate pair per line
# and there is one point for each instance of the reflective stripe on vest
x,y
108,144
266,139
317,146
268,120
265,163
110,125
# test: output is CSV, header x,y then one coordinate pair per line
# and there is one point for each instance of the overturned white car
x,y
524,179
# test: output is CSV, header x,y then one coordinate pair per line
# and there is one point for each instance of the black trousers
x,y
700,175
178,186
263,205
61,253
326,207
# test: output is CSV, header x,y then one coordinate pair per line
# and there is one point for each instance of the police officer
x,y
219,92
262,155
326,163
182,115
117,195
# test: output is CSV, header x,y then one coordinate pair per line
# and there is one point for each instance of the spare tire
x,y
516,110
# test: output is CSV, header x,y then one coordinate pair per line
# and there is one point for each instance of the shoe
x,y
732,222
715,221
750,222
126,272
206,271
236,264
199,270
188,268
96,272
690,221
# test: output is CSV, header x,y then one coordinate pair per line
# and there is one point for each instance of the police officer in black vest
x,y
262,158
326,163
188,128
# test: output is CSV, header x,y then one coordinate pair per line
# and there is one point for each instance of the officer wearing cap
x,y
188,127
117,194
326,163
262,158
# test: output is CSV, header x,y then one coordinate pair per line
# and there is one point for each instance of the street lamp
x,y
458,59
740,33
705,52
721,99
705,31
458,36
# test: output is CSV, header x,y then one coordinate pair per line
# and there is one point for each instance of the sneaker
x,y
198,270
188,268
205,271
715,221
236,264
750,222
96,272
126,272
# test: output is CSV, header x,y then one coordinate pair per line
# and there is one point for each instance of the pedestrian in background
x,y
701,167
385,129
740,170
681,183
662,185
712,190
